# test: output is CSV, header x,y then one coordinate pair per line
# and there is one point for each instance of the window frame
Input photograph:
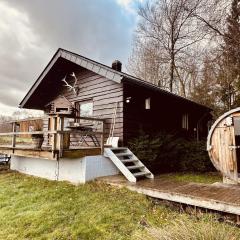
x,y
185,121
77,105
148,103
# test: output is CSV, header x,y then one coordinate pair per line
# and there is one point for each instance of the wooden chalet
x,y
89,105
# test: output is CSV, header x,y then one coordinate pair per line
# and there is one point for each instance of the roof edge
x,y
84,62
155,87
100,69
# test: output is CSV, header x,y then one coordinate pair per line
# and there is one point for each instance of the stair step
x,y
118,148
123,154
107,146
128,164
134,167
139,174
128,160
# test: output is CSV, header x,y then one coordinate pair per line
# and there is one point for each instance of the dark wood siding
x,y
165,113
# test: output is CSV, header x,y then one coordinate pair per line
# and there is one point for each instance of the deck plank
x,y
220,197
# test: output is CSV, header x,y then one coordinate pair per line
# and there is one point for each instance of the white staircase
x,y
129,165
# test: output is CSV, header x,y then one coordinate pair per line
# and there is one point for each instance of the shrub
x,y
194,157
164,152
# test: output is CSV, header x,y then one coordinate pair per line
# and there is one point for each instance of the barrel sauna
x,y
223,144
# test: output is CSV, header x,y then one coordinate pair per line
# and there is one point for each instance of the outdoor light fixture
x,y
128,99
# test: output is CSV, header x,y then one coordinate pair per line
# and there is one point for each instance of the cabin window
x,y
85,108
59,110
147,103
185,121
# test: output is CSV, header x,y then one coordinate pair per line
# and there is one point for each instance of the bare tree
x,y
191,47
207,89
145,62
170,30
213,14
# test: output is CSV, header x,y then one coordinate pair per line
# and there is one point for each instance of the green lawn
x,y
33,208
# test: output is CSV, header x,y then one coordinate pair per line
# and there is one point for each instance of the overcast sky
x,y
31,31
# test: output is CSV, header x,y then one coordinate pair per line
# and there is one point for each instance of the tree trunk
x,y
171,73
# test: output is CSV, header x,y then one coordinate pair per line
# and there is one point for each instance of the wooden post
x,y
102,137
60,126
14,136
54,136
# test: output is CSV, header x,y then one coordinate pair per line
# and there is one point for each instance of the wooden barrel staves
x,y
223,144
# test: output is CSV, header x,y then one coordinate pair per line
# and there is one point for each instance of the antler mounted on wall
x,y
73,87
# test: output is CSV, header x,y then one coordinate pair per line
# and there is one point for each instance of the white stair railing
x,y
128,164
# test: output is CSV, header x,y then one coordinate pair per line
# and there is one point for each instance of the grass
x,y
187,230
209,178
34,208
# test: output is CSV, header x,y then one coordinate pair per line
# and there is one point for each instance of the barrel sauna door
x,y
224,149
237,140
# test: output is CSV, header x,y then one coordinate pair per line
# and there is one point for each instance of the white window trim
x,y
148,103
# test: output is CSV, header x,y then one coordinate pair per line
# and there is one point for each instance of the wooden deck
x,y
45,153
217,196
58,140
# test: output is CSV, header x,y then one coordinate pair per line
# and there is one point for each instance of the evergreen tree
x,y
231,57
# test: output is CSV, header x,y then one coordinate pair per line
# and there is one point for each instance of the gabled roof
x,y
97,68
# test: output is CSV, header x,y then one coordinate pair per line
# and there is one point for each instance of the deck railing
x,y
58,127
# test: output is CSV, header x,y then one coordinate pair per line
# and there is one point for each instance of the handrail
x,y
91,119
46,132
21,120
27,133
78,117
42,118
57,132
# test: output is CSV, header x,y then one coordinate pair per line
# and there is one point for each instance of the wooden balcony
x,y
63,137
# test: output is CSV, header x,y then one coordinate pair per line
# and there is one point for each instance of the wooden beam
x,y
180,198
90,119
80,153
28,153
14,136
54,137
102,137
60,126
23,120
26,133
